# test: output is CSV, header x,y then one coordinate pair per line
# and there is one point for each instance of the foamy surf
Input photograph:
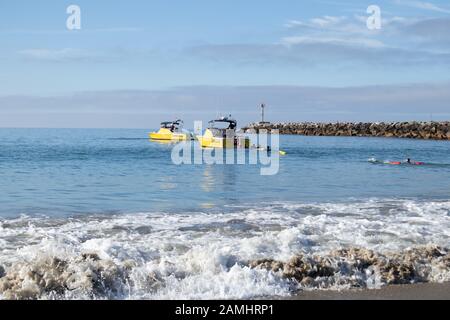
x,y
244,252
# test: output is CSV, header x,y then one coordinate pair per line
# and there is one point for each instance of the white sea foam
x,y
199,255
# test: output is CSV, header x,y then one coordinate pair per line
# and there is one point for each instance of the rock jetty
x,y
412,130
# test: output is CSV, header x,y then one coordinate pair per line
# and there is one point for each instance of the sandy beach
x,y
426,291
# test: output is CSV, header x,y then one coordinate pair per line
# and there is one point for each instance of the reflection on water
x,y
220,177
170,184
221,180
208,181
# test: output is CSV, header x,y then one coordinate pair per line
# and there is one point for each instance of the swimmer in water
x,y
415,163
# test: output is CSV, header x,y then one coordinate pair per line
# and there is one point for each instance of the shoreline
x,y
422,291
410,130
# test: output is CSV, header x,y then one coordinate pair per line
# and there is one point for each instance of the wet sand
x,y
427,291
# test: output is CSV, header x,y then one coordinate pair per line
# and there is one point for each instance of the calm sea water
x,y
60,172
158,230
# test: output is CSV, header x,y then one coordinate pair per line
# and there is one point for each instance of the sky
x,y
136,63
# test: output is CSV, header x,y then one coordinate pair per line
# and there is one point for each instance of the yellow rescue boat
x,y
221,133
171,131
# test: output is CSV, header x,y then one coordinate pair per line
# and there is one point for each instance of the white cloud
x,y
294,23
327,21
336,24
364,42
324,22
346,41
422,5
345,26
59,55
76,55
406,34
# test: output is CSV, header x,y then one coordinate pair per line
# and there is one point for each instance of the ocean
x,y
105,214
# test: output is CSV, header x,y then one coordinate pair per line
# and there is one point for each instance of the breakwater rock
x,y
412,130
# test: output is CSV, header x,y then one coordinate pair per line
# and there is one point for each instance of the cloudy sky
x,y
135,63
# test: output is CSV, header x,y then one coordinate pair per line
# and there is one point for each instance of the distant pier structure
x,y
263,119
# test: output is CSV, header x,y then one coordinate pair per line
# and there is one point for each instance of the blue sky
x,y
206,55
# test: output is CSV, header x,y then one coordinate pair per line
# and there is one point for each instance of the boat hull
x,y
167,135
208,140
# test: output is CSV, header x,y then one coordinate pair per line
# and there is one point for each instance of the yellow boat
x,y
221,133
171,131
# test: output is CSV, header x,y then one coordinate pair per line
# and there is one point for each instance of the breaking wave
x,y
243,252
